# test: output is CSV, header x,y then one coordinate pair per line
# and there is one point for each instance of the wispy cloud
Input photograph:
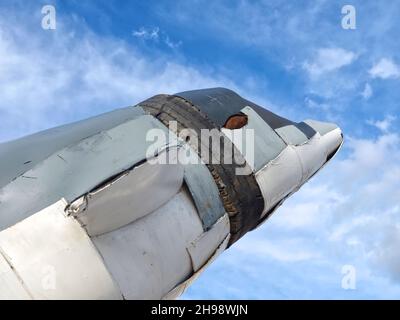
x,y
312,104
367,92
348,213
385,69
147,34
341,217
328,60
155,34
172,44
48,80
383,125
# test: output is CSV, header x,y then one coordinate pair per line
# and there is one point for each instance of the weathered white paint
x,y
294,166
202,248
150,256
312,156
279,177
55,258
331,140
11,286
178,290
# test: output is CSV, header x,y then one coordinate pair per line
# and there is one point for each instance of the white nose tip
x,y
296,164
332,141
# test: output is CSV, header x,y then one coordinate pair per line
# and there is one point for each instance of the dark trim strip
x,y
221,103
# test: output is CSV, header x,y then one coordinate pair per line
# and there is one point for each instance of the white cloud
x,y
284,250
154,34
367,92
347,214
368,213
172,44
148,34
48,79
384,124
328,60
308,207
310,103
364,221
385,69
371,156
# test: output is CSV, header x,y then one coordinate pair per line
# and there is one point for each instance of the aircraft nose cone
x,y
331,136
298,162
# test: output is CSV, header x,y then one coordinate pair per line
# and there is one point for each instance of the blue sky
x,y
290,56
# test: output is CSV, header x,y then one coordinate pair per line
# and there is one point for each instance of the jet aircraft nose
x,y
308,146
88,200
279,155
282,154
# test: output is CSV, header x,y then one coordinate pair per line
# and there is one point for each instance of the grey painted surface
x,y
204,192
321,127
221,103
268,145
292,135
76,170
22,155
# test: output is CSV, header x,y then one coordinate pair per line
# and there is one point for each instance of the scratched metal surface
x,y
204,192
77,169
21,155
